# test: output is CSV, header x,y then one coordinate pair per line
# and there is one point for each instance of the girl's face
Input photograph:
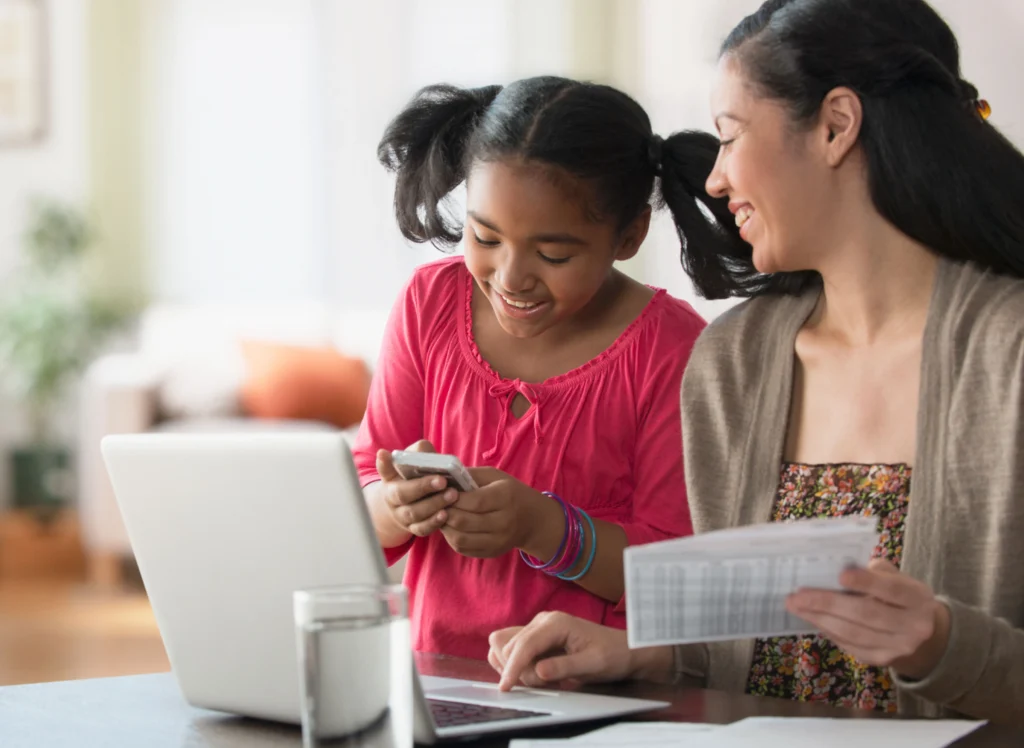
x,y
534,252
778,186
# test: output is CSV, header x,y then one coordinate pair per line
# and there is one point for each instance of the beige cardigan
x,y
965,528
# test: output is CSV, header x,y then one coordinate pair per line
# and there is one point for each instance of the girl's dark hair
x,y
936,169
592,132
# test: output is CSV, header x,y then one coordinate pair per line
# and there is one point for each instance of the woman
x,y
879,369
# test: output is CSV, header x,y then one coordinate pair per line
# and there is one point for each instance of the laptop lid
x,y
224,529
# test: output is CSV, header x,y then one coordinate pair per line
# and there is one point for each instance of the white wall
x,y
367,77
235,199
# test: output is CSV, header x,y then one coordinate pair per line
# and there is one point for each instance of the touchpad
x,y
488,694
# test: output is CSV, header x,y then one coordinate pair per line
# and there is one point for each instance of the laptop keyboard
x,y
458,713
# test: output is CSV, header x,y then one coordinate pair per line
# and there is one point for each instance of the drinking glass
x,y
355,666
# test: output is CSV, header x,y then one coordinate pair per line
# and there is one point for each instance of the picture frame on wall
x,y
23,110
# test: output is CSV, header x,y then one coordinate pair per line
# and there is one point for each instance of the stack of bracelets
x,y
574,541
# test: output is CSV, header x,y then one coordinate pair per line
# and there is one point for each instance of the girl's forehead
x,y
530,189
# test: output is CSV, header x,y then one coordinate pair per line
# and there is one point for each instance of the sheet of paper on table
x,y
770,732
654,734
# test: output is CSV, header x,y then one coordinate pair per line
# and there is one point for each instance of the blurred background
x,y
195,234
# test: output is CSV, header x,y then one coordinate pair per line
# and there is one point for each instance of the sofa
x,y
183,373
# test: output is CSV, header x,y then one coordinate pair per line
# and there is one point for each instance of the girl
x,y
533,355
879,371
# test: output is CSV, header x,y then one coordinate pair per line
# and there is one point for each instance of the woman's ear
x,y
633,235
841,117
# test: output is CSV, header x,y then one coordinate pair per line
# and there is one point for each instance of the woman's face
x,y
778,184
534,251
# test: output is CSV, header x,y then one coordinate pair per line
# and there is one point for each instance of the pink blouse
x,y
606,437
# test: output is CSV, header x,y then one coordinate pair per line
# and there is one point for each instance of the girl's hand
x,y
891,620
556,648
416,507
503,514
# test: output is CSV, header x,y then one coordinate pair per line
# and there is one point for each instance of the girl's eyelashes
x,y
495,243
554,260
482,243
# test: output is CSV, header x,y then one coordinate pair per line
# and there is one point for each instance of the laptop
x,y
225,527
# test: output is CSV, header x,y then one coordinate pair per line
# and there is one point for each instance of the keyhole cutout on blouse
x,y
520,405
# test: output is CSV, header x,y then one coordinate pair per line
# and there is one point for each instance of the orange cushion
x,y
296,382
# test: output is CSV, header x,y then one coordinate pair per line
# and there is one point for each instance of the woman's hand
x,y
556,648
503,514
891,620
409,507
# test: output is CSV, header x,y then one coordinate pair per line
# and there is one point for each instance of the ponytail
x,y
712,253
425,146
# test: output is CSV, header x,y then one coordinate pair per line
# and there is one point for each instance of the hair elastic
x,y
655,152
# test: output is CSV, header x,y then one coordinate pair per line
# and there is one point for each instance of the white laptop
x,y
225,527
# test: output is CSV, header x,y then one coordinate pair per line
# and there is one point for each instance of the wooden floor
x,y
56,626
52,629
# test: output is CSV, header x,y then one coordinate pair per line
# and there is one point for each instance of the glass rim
x,y
316,603
354,591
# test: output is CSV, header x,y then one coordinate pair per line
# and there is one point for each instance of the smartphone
x,y
412,465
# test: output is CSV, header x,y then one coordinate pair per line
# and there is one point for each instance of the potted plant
x,y
50,327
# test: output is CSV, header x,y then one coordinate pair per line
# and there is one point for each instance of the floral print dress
x,y
811,668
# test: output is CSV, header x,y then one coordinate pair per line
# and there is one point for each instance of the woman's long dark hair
x,y
594,133
936,169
